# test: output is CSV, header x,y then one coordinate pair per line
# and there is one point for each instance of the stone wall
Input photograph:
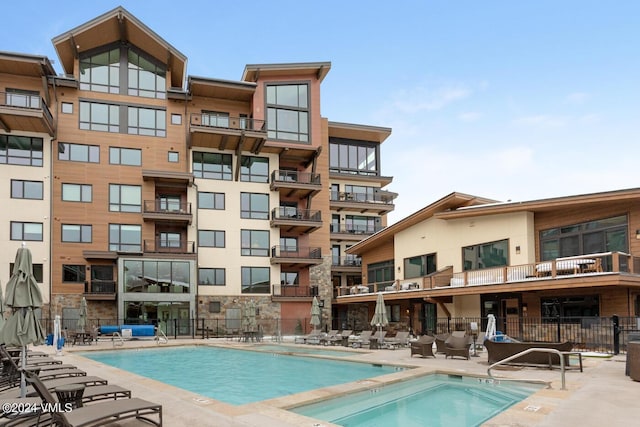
x,y
320,276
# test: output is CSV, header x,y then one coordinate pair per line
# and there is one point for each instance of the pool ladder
x,y
160,337
533,350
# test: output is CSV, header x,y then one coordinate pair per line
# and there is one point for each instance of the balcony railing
x,y
355,229
287,213
294,291
227,122
169,207
293,252
377,197
295,177
346,261
100,287
169,246
24,105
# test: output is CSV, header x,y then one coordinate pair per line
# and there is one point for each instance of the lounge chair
x,y
360,340
88,380
400,340
423,346
377,340
341,337
458,346
99,413
440,339
325,339
312,338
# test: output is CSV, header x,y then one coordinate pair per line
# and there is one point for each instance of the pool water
x,y
312,350
433,400
237,376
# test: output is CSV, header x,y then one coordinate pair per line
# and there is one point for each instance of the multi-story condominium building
x,y
162,197
467,257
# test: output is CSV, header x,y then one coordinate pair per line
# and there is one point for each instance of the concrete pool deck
x,y
600,396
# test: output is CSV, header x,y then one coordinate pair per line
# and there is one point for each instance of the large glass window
x,y
208,200
212,166
101,72
486,255
26,231
288,244
125,238
146,121
23,98
73,273
289,278
254,169
212,276
288,112
20,150
99,117
26,189
169,239
380,272
360,224
146,78
77,193
602,235
256,280
78,152
125,198
419,266
211,238
254,206
573,306
76,233
125,156
215,119
353,157
254,242
156,276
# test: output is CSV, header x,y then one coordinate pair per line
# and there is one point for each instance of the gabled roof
x,y
253,72
25,65
119,25
450,202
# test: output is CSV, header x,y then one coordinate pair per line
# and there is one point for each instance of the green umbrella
x,y
379,318
23,296
82,315
315,314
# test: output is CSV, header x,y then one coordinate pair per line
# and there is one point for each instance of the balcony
x,y
293,292
167,211
227,133
295,257
160,247
341,232
24,112
295,221
346,264
380,202
294,183
100,290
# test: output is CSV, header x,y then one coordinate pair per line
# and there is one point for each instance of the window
x,y
255,280
169,240
76,233
361,224
26,189
146,78
254,169
353,157
171,276
254,242
125,238
335,223
211,238
173,157
67,108
99,117
215,307
37,272
78,152
486,255
23,98
289,278
101,72
360,193
73,273
573,306
254,206
77,193
288,112
146,121
335,192
20,150
125,198
603,235
125,156
176,119
419,266
380,272
170,203
212,166
31,231
215,119
210,200
288,244
212,276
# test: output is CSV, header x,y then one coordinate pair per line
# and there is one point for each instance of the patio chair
x,y
423,346
458,346
99,413
440,339
360,340
377,340
341,337
325,339
400,340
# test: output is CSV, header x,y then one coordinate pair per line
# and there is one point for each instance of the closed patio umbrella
x,y
57,344
82,315
23,296
315,314
379,318
1,308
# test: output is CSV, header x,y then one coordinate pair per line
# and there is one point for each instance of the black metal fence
x,y
598,334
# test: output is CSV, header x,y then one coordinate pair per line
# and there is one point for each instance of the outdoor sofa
x,y
497,351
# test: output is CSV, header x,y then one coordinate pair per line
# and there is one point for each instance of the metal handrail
x,y
119,341
531,350
161,338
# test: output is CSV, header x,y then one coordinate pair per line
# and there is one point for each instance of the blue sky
x,y
511,100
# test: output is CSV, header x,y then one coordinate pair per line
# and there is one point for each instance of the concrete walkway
x,y
601,396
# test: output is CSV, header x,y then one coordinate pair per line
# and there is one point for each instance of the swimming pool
x,y
308,350
432,400
237,376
